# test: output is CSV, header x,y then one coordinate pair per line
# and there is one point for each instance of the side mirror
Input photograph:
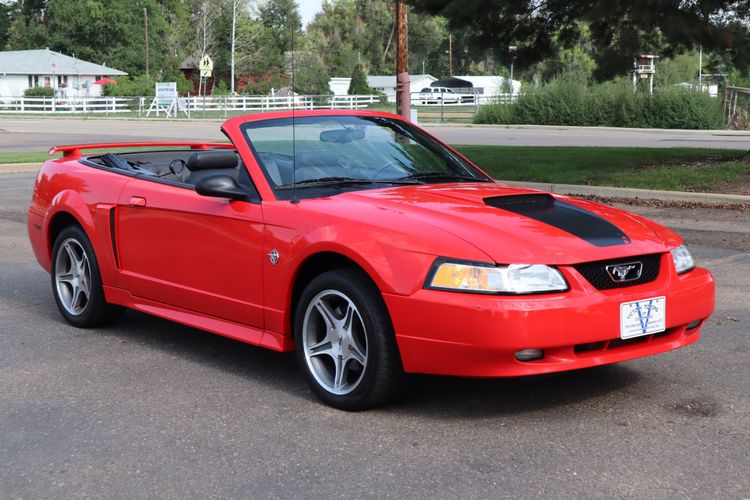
x,y
220,186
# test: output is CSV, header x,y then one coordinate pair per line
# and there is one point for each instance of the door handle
x,y
137,201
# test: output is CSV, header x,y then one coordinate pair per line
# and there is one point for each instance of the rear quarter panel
x,y
66,186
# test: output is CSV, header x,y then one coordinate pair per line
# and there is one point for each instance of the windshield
x,y
351,152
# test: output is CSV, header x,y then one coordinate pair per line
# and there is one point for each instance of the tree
x,y
26,25
283,23
311,76
104,31
7,12
204,20
620,29
358,85
349,32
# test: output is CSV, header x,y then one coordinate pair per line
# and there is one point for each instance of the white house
x,y
23,69
387,84
491,85
339,86
382,83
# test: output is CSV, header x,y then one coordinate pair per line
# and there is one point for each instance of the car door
x,y
195,252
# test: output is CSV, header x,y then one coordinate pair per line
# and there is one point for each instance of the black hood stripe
x,y
570,218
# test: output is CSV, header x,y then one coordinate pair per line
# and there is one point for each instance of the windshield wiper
x,y
325,181
441,175
343,181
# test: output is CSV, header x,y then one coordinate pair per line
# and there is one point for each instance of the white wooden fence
x,y
443,107
50,105
184,105
460,99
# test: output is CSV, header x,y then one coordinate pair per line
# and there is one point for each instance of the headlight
x,y
488,278
683,261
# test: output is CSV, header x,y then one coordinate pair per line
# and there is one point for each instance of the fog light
x,y
694,325
529,354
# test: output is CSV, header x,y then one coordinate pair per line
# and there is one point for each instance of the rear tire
x,y
77,283
345,341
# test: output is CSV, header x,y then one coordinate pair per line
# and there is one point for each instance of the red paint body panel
x,y
201,261
75,150
461,334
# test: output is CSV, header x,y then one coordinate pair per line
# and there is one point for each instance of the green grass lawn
x,y
32,157
676,169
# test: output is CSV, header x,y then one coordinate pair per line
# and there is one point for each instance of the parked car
x,y
366,245
437,95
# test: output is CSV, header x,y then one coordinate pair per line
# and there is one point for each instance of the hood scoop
x,y
575,220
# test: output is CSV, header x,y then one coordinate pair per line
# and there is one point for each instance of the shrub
x,y
130,86
565,101
358,85
39,92
220,89
137,86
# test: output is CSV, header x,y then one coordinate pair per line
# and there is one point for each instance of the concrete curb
x,y
636,194
15,168
722,132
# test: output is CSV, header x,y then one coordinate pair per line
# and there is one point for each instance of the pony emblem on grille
x,y
621,273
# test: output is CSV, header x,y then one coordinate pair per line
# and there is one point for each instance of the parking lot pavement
x,y
148,408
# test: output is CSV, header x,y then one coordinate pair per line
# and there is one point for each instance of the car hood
x,y
512,224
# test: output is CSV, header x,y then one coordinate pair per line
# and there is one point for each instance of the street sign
x,y
206,63
206,73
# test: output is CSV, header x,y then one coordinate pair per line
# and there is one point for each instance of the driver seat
x,y
206,163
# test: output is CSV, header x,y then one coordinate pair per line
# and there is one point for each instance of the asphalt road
x,y
148,408
32,134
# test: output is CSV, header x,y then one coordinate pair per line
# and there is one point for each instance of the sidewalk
x,y
637,194
15,168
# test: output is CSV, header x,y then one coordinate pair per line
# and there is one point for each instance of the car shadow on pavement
x,y
433,396
454,397
231,356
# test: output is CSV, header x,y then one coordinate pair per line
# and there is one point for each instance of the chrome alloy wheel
x,y
334,342
73,276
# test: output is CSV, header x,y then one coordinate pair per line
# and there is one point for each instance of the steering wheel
x,y
392,165
343,161
173,170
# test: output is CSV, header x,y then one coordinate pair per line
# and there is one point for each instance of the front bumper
x,y
463,334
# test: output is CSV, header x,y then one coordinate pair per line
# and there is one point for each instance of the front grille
x,y
596,272
590,349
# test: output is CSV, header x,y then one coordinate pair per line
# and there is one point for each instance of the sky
x,y
308,8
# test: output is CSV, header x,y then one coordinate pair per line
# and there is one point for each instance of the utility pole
x,y
234,28
145,34
700,70
403,87
450,54
512,49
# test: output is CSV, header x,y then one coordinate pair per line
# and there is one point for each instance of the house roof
x,y
384,81
46,62
192,61
452,82
487,81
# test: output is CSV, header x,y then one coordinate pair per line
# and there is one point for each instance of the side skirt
x,y
243,333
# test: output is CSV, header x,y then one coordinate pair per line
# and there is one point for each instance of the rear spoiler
x,y
76,149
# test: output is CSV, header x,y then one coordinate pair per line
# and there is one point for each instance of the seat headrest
x,y
209,160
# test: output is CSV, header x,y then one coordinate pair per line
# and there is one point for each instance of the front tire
x,y
345,341
77,283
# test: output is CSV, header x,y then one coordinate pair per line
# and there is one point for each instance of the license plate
x,y
643,317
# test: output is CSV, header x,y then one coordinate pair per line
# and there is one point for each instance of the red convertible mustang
x,y
366,245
